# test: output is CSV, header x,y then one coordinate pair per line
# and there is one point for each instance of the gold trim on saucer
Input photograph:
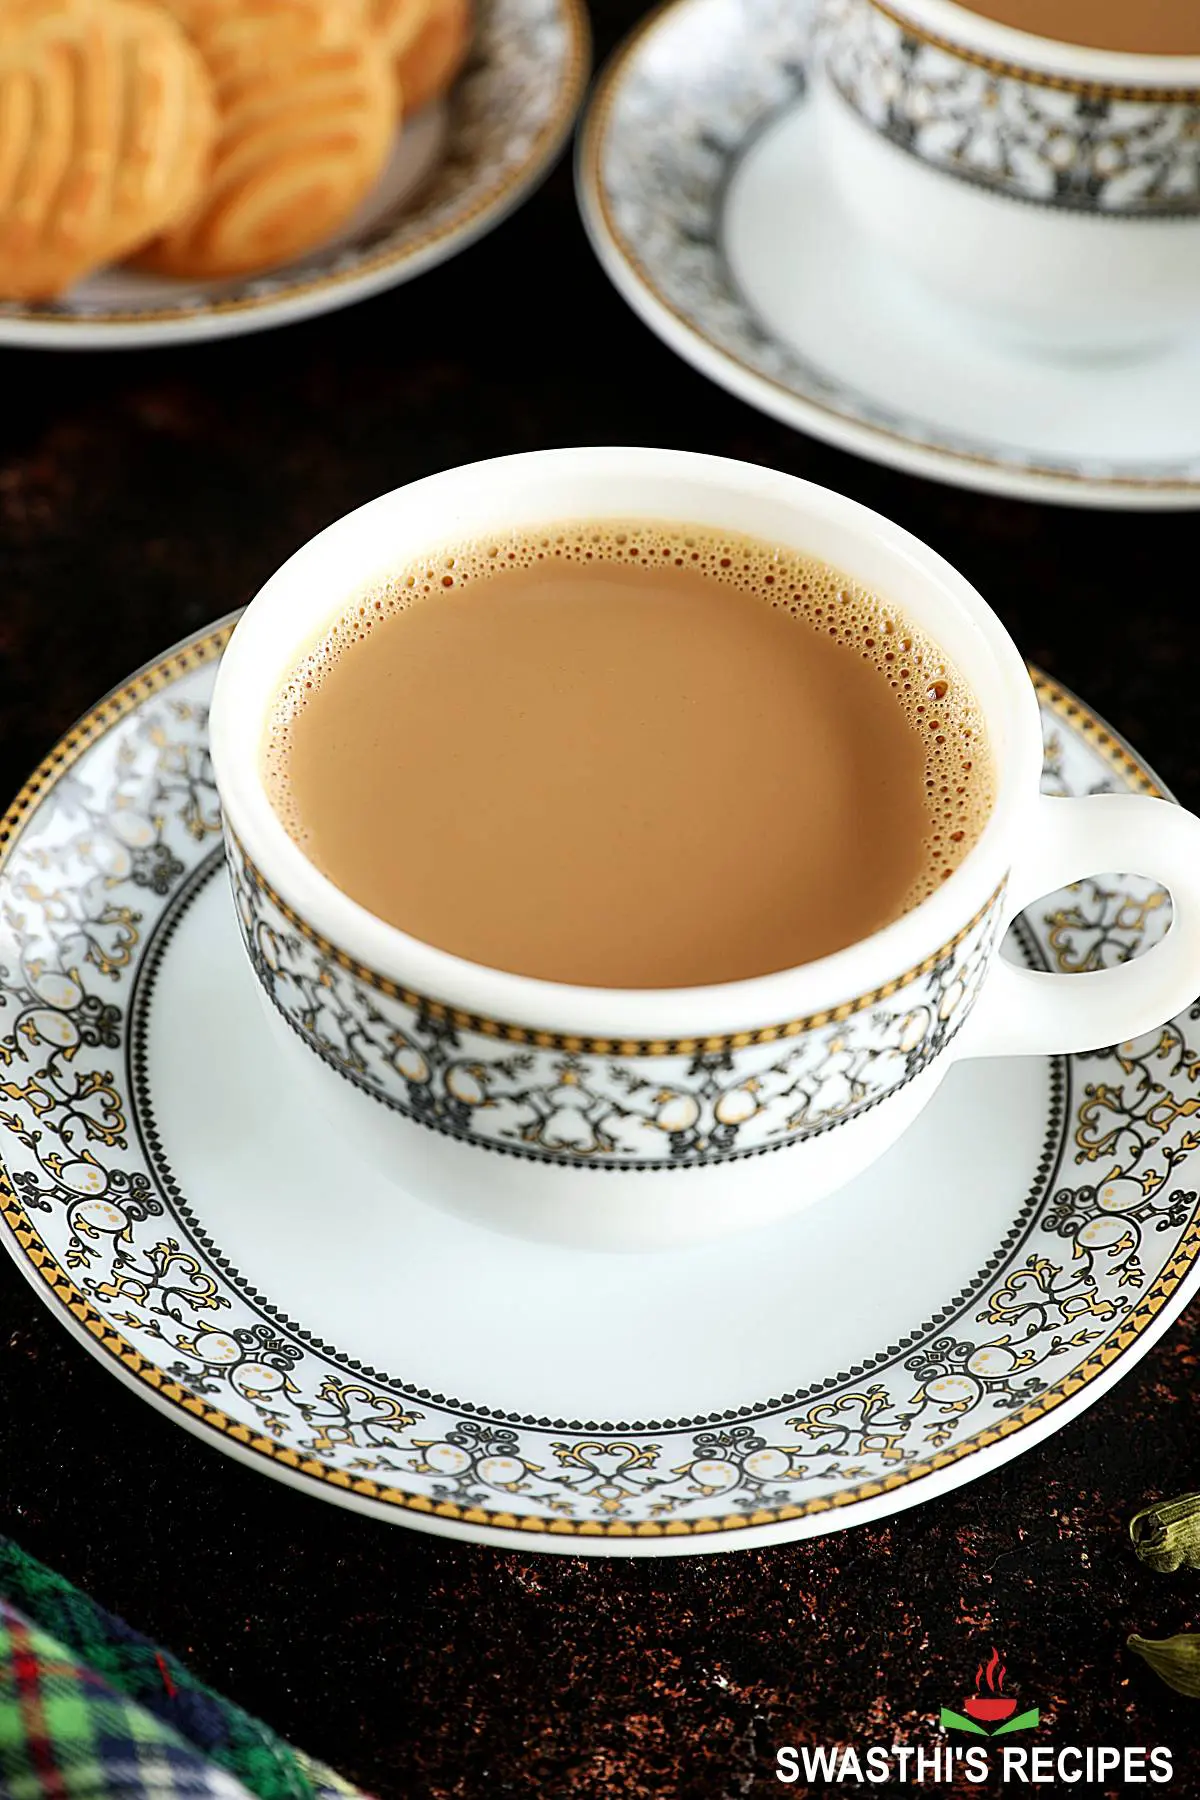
x,y
1079,718
193,654
497,198
591,143
40,1265
198,1411
1065,84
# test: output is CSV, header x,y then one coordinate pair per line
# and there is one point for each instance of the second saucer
x,y
702,187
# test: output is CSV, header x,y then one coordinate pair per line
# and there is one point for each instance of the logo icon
x,y
990,1712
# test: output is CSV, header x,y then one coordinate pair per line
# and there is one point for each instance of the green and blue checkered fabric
x,y
92,1710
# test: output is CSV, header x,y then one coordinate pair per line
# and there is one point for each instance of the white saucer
x,y
214,1247
702,188
458,169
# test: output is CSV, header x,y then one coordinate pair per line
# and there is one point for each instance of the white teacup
x,y
614,1118
1051,190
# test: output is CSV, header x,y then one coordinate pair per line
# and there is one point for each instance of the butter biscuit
x,y
307,111
107,125
428,63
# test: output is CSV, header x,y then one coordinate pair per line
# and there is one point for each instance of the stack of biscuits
x,y
201,138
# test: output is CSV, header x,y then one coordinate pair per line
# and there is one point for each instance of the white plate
x,y
458,168
209,1241
702,187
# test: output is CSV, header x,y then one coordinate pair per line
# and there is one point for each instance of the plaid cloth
x,y
92,1710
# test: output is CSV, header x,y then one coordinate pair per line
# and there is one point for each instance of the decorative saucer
x,y
228,1259
701,184
459,167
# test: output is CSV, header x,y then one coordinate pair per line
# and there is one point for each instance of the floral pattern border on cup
x,y
601,1103
1117,152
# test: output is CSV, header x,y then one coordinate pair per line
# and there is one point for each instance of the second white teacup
x,y
1049,190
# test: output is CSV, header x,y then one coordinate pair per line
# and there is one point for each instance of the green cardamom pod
x,y
1166,1534
1175,1659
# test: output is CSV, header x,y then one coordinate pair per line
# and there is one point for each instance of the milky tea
x,y
1163,28
629,755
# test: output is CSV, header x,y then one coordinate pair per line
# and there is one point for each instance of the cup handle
x,y
1024,1012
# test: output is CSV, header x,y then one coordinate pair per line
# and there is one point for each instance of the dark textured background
x,y
144,494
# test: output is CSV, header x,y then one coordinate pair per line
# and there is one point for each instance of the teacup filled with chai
x,y
601,815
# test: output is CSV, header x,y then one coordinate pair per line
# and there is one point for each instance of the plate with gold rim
x,y
215,1247
458,168
701,184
